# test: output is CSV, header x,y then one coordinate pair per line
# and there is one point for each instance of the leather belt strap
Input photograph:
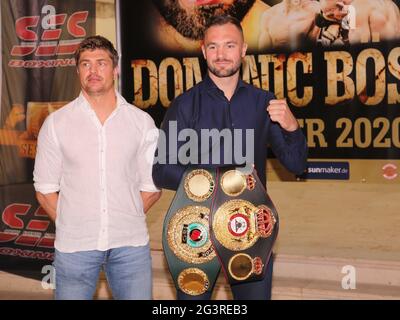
x,y
218,213
187,246
244,225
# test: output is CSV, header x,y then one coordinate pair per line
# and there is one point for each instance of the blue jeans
x,y
128,272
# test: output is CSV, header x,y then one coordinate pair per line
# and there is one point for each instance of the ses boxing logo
x,y
40,39
28,232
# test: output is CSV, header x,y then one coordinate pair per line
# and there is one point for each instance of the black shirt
x,y
205,107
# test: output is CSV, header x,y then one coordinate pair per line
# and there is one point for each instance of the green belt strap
x,y
187,246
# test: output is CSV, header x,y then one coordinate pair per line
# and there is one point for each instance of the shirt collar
x,y
210,85
86,105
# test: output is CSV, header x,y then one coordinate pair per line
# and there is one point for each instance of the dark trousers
x,y
256,290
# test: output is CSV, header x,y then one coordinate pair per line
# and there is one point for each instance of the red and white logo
x,y
265,221
48,42
389,171
31,234
238,224
257,265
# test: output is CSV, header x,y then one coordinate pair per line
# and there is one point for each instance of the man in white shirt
x,y
93,177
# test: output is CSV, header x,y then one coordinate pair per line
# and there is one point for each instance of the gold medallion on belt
x,y
241,266
188,235
234,182
238,224
193,281
199,185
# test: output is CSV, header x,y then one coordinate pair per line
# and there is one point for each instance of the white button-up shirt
x,y
99,171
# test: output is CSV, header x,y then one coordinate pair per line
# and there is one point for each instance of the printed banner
x,y
38,39
336,63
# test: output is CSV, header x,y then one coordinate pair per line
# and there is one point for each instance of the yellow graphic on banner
x,y
26,141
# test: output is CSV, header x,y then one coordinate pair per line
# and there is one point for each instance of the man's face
x,y
223,48
189,17
96,72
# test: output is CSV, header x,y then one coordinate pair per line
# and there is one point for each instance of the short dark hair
x,y
97,42
220,20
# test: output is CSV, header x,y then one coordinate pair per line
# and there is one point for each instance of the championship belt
x,y
243,225
187,246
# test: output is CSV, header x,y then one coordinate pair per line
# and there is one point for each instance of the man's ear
x,y
244,49
116,72
203,49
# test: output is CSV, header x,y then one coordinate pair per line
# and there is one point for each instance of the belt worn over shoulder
x,y
222,212
244,225
187,245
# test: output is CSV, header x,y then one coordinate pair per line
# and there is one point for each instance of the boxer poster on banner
x,y
336,63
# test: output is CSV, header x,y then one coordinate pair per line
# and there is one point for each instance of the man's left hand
x,y
280,112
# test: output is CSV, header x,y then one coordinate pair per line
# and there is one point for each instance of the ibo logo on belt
x,y
195,235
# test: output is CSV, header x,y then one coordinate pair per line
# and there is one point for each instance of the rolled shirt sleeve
x,y
48,161
147,148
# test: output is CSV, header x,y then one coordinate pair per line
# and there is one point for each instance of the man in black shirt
x,y
223,101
